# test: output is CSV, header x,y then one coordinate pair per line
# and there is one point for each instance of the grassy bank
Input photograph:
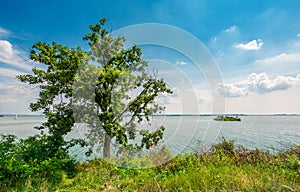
x,y
221,168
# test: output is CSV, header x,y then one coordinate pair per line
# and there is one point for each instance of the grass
x,y
221,168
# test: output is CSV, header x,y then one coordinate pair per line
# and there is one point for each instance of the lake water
x,y
189,132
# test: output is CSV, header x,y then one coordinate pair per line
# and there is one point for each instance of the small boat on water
x,y
227,118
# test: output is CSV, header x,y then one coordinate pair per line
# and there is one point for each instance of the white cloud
x,y
9,72
8,100
6,50
226,36
233,90
298,35
233,28
259,83
181,63
281,58
11,56
16,89
252,45
3,32
204,100
186,100
15,97
16,94
283,63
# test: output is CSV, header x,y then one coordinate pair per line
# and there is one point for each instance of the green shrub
x,y
224,146
30,159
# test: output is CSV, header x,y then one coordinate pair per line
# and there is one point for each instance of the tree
x,y
124,93
119,73
55,96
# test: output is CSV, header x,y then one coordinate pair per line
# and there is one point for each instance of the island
x,y
227,118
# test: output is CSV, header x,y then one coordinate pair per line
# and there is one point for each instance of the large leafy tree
x,y
124,93
54,77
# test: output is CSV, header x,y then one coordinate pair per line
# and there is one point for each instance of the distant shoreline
x,y
227,114
170,115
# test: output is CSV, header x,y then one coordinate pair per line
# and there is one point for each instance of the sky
x,y
254,44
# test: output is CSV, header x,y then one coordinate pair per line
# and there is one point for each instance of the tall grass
x,y
224,167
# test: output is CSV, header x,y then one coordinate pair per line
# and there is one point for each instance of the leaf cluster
x,y
32,158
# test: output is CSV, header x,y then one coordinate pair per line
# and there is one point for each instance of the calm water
x,y
189,132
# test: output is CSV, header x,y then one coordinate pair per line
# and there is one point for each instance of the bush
x,y
226,147
31,159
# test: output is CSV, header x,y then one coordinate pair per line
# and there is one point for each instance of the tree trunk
x,y
106,148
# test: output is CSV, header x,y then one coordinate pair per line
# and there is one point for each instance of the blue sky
x,y
256,45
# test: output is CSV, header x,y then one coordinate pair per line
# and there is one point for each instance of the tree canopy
x,y
107,87
125,92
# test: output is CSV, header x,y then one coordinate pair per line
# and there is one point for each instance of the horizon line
x,y
178,114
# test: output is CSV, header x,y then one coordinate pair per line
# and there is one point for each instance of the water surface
x,y
189,132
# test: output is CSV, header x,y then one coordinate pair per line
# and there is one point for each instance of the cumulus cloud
x,y
259,83
11,56
6,50
181,63
233,90
252,45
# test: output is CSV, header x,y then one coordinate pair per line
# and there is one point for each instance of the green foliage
x,y
246,170
42,162
28,159
224,146
242,170
227,118
46,156
121,72
55,91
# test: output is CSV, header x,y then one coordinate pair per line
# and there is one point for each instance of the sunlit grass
x,y
222,168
